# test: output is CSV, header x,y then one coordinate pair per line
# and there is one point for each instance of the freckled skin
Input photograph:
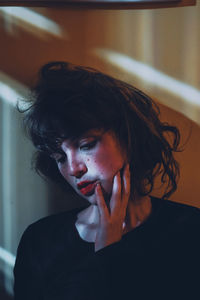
x,y
99,163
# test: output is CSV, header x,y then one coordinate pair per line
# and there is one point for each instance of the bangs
x,y
70,120
72,102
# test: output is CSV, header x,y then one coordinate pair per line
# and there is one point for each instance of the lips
x,y
87,187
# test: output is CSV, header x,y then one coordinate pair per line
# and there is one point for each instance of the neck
x,y
138,210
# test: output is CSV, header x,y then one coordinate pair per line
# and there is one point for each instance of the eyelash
x,y
88,146
61,159
83,147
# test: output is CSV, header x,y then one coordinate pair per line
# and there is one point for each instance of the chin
x,y
91,200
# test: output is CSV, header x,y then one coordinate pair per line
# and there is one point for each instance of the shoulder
x,y
50,234
183,212
177,220
47,247
53,221
176,210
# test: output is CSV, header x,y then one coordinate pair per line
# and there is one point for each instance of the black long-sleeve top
x,y
160,259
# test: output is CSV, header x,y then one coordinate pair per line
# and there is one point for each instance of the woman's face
x,y
95,157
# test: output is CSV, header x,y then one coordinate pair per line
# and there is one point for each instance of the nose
x,y
76,167
77,170
75,163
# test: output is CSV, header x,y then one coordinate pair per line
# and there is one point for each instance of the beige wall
x,y
164,40
167,40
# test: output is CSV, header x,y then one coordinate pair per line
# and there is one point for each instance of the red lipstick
x,y
86,187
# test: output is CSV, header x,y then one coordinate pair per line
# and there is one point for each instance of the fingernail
x,y
98,185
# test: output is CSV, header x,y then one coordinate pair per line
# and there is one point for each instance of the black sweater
x,y
160,259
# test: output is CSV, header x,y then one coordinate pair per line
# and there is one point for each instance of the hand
x,y
111,222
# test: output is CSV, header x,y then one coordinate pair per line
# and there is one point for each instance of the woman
x,y
103,138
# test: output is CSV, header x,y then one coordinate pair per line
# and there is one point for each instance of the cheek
x,y
106,165
63,172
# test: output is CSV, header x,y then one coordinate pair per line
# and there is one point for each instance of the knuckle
x,y
127,194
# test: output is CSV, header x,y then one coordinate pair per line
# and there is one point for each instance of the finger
x,y
103,209
126,185
115,200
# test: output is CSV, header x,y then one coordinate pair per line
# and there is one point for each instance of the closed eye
x,y
59,158
88,146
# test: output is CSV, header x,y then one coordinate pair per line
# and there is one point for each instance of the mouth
x,y
87,187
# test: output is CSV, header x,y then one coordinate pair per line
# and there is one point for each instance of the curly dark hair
x,y
69,100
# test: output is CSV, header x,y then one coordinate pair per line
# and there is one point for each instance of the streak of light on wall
x,y
11,91
8,94
23,17
189,97
7,257
7,262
